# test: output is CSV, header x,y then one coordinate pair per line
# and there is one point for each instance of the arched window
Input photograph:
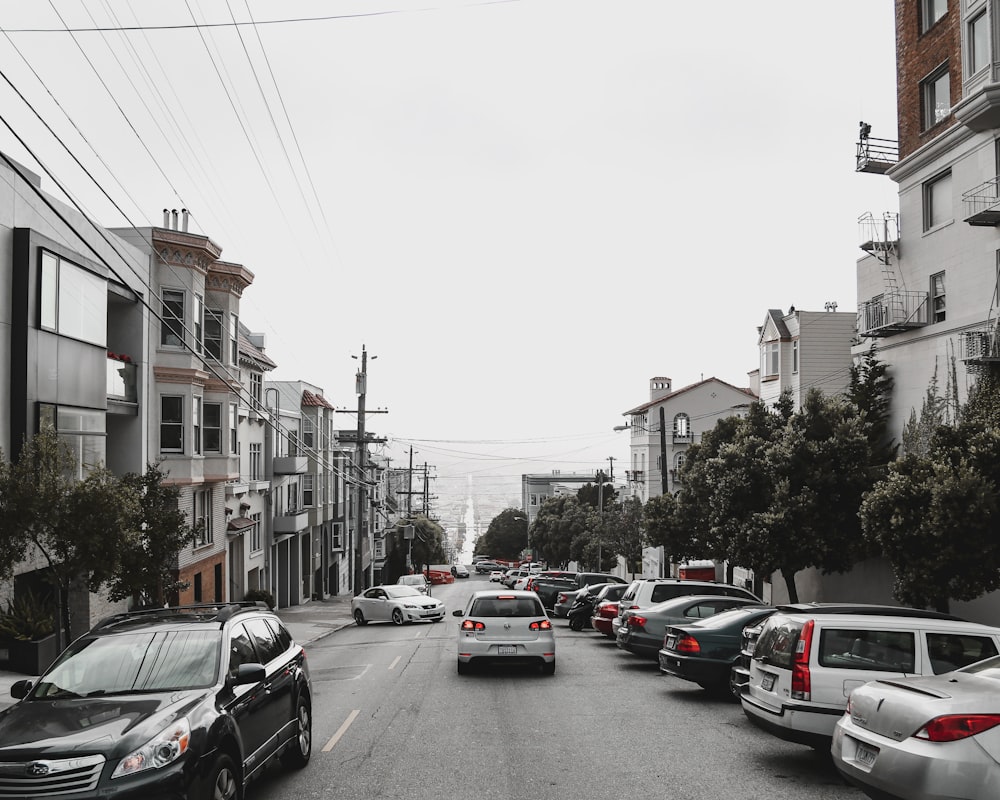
x,y
682,426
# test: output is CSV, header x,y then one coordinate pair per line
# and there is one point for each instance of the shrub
x,y
27,619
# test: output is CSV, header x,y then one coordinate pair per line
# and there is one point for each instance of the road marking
x,y
341,731
395,661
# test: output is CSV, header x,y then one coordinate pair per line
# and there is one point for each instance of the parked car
x,y
510,577
547,588
160,703
805,665
604,616
485,567
396,604
642,631
924,738
705,651
585,579
459,571
568,597
418,582
497,575
646,592
507,627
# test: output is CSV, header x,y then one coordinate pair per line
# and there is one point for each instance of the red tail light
x,y
472,625
563,597
952,727
687,644
801,680
607,610
635,621
540,625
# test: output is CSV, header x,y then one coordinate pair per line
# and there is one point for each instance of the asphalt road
x,y
393,719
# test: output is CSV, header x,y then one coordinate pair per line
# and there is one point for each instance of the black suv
x,y
187,702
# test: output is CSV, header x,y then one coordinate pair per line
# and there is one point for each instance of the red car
x,y
603,614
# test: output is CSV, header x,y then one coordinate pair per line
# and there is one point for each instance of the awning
x,y
239,525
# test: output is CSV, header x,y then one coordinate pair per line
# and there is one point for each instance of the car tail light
x,y
952,727
635,621
563,597
472,625
687,644
801,680
540,625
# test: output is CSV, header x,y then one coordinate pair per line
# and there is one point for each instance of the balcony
x,y
291,521
979,346
982,204
291,465
891,313
121,380
635,476
876,156
683,438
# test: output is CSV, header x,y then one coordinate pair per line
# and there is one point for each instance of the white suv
x,y
805,665
645,592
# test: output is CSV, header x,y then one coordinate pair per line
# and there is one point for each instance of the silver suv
x,y
645,592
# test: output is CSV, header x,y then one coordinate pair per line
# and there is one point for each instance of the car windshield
x,y
412,580
401,591
128,663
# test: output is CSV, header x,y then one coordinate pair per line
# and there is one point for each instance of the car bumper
x,y
808,725
471,649
928,770
420,615
602,625
639,644
701,671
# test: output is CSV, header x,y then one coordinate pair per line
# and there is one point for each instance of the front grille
x,y
49,778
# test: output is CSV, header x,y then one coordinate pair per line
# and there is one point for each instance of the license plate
x,y
507,650
670,642
767,682
865,755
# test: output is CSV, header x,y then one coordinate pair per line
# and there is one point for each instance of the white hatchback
x,y
505,627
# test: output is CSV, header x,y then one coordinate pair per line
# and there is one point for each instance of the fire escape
x,y
895,310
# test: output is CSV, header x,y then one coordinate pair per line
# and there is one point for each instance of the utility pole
x,y
663,453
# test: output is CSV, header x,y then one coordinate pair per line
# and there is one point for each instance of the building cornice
x,y
181,375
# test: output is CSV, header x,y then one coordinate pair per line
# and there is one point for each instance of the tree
x,y
560,521
623,533
425,548
506,536
594,495
870,390
158,531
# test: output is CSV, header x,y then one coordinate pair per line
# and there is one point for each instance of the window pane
x,y
979,43
938,202
172,330
50,284
83,304
213,333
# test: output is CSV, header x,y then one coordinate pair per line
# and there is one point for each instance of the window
x,y
171,424
979,43
930,12
255,533
937,201
81,430
795,357
335,536
234,416
256,391
74,302
213,333
308,433
935,92
211,431
196,420
888,651
682,426
172,326
679,460
937,298
772,359
308,482
255,461
234,339
197,587
203,517
198,319
950,651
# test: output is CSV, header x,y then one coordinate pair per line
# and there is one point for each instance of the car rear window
x,y
884,651
777,641
507,606
668,591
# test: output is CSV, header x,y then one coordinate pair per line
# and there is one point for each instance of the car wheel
x,y
360,618
298,753
437,619
464,667
397,617
549,667
222,783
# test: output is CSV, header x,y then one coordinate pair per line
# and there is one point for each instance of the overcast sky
x,y
524,209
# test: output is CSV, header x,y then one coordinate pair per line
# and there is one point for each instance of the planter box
x,y
28,657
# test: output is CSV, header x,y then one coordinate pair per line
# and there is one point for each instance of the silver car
x,y
396,604
504,626
926,738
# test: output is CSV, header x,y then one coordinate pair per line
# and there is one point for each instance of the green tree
x,y
506,536
870,390
158,531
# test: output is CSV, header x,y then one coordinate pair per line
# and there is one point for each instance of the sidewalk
x,y
306,623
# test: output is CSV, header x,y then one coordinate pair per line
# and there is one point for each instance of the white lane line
x,y
341,731
395,661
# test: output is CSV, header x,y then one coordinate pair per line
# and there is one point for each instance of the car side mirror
x,y
249,673
19,689
458,613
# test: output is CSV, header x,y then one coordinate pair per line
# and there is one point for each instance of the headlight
x,y
164,748
410,605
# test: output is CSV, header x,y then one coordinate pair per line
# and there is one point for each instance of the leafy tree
x,y
158,532
623,533
870,390
559,522
919,430
594,495
425,548
506,536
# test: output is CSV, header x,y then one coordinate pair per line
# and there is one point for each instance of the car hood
x,y
422,602
113,726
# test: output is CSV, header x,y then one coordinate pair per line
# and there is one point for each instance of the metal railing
x,y
892,312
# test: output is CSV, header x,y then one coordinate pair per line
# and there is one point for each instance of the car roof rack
x,y
865,609
218,612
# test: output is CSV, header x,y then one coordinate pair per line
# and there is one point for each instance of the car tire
x,y
397,617
298,753
464,668
549,667
437,619
223,782
360,618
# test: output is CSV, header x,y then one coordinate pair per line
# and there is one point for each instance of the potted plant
x,y
27,635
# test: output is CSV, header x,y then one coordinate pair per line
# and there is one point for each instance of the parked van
x,y
805,665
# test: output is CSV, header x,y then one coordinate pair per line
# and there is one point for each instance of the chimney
x,y
166,218
173,220
659,387
184,220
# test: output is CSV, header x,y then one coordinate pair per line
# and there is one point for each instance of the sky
x,y
522,210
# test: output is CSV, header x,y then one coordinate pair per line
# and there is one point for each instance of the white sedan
x,y
497,575
396,604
